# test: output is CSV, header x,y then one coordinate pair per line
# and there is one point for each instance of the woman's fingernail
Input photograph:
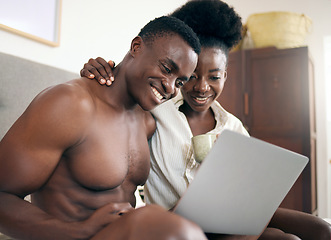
x,y
102,81
109,82
112,78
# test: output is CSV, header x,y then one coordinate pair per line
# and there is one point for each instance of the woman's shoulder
x,y
227,120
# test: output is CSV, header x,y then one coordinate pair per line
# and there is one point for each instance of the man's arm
x,y
29,153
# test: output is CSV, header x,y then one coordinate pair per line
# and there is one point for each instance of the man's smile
x,y
157,94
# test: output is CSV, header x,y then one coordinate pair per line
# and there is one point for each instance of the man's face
x,y
158,69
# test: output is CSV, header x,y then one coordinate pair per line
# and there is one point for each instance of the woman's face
x,y
207,81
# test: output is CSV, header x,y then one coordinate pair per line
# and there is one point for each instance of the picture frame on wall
x,y
38,20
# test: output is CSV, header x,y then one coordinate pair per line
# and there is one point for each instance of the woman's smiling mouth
x,y
200,100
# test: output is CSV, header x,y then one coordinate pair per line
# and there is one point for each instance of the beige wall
x,y
105,28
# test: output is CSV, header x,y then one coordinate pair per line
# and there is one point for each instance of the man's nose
x,y
169,86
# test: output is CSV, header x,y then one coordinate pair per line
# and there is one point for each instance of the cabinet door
x,y
271,92
277,84
232,96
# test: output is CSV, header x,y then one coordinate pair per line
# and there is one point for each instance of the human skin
x,y
212,64
207,83
204,87
82,171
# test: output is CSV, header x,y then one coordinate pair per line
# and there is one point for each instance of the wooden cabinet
x,y
271,92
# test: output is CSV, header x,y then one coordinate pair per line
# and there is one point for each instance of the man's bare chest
x,y
111,153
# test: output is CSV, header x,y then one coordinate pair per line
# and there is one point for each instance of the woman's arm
x,y
304,225
100,70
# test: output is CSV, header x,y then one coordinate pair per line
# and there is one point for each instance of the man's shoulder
x,y
72,93
66,100
73,88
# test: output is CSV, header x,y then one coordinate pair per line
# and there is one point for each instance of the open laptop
x,y
239,185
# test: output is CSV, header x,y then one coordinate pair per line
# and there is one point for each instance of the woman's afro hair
x,y
213,21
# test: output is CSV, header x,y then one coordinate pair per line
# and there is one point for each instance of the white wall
x,y
106,27
327,46
90,29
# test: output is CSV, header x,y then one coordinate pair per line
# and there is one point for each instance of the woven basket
x,y
280,29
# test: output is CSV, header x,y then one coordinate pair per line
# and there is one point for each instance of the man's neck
x,y
117,95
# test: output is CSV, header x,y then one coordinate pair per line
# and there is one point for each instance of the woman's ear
x,y
136,45
225,75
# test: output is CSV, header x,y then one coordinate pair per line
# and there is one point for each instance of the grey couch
x,y
20,81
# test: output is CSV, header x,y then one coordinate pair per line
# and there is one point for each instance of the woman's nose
x,y
202,85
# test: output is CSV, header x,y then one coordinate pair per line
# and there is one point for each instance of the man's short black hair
x,y
167,25
214,21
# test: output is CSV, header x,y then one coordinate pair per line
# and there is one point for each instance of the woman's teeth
x,y
157,94
201,98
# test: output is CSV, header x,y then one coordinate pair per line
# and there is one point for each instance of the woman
x,y
195,111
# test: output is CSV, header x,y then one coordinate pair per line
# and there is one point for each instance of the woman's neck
x,y
199,122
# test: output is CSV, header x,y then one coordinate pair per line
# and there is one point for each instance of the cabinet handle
x,y
276,81
246,104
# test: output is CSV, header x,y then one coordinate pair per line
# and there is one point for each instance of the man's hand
x,y
104,216
100,70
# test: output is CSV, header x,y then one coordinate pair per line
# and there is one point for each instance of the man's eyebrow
x,y
176,68
173,64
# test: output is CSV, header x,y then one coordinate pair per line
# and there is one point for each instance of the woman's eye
x,y
179,82
215,78
193,77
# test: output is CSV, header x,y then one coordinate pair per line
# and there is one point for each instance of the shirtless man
x,y
80,150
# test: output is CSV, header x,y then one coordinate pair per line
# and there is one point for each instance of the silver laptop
x,y
239,185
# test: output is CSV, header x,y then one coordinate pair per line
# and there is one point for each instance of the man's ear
x,y
136,45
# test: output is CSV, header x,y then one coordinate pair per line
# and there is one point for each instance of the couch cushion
x,y
20,81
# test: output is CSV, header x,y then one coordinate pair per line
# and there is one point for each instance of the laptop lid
x,y
239,185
